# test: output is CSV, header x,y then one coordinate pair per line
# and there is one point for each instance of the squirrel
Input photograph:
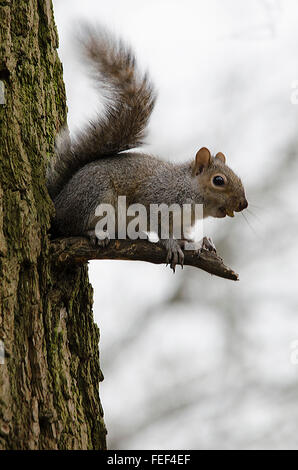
x,y
97,167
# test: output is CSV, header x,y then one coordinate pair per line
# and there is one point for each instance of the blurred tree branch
x,y
78,250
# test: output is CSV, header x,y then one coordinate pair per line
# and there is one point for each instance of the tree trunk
x,y
50,377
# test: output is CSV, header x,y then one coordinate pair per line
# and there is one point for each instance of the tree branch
x,y
78,250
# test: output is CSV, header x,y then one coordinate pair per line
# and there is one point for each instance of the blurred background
x,y
193,361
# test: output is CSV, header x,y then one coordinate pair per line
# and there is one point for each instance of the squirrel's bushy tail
x,y
129,105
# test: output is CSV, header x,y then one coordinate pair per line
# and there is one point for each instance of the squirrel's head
x,y
223,192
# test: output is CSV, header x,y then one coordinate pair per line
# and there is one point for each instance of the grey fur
x,y
143,179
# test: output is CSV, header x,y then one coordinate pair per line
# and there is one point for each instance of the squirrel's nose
x,y
243,205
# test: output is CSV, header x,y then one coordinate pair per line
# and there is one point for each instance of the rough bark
x,y
49,381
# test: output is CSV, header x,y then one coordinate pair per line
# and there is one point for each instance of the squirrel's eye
x,y
218,181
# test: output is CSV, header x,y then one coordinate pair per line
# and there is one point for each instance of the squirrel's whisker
x,y
250,226
254,215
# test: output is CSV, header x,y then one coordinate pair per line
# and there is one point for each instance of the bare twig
x,y
78,250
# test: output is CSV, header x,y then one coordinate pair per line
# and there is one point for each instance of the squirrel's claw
x,y
207,244
102,243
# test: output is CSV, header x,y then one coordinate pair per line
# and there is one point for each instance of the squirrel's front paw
x,y
175,254
102,243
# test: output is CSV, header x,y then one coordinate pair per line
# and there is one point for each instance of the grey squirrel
x,y
97,167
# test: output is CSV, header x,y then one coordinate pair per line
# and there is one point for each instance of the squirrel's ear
x,y
221,157
202,161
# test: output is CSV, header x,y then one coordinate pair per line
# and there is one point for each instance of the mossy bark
x,y
50,377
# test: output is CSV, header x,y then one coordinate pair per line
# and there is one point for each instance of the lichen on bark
x,y
49,382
